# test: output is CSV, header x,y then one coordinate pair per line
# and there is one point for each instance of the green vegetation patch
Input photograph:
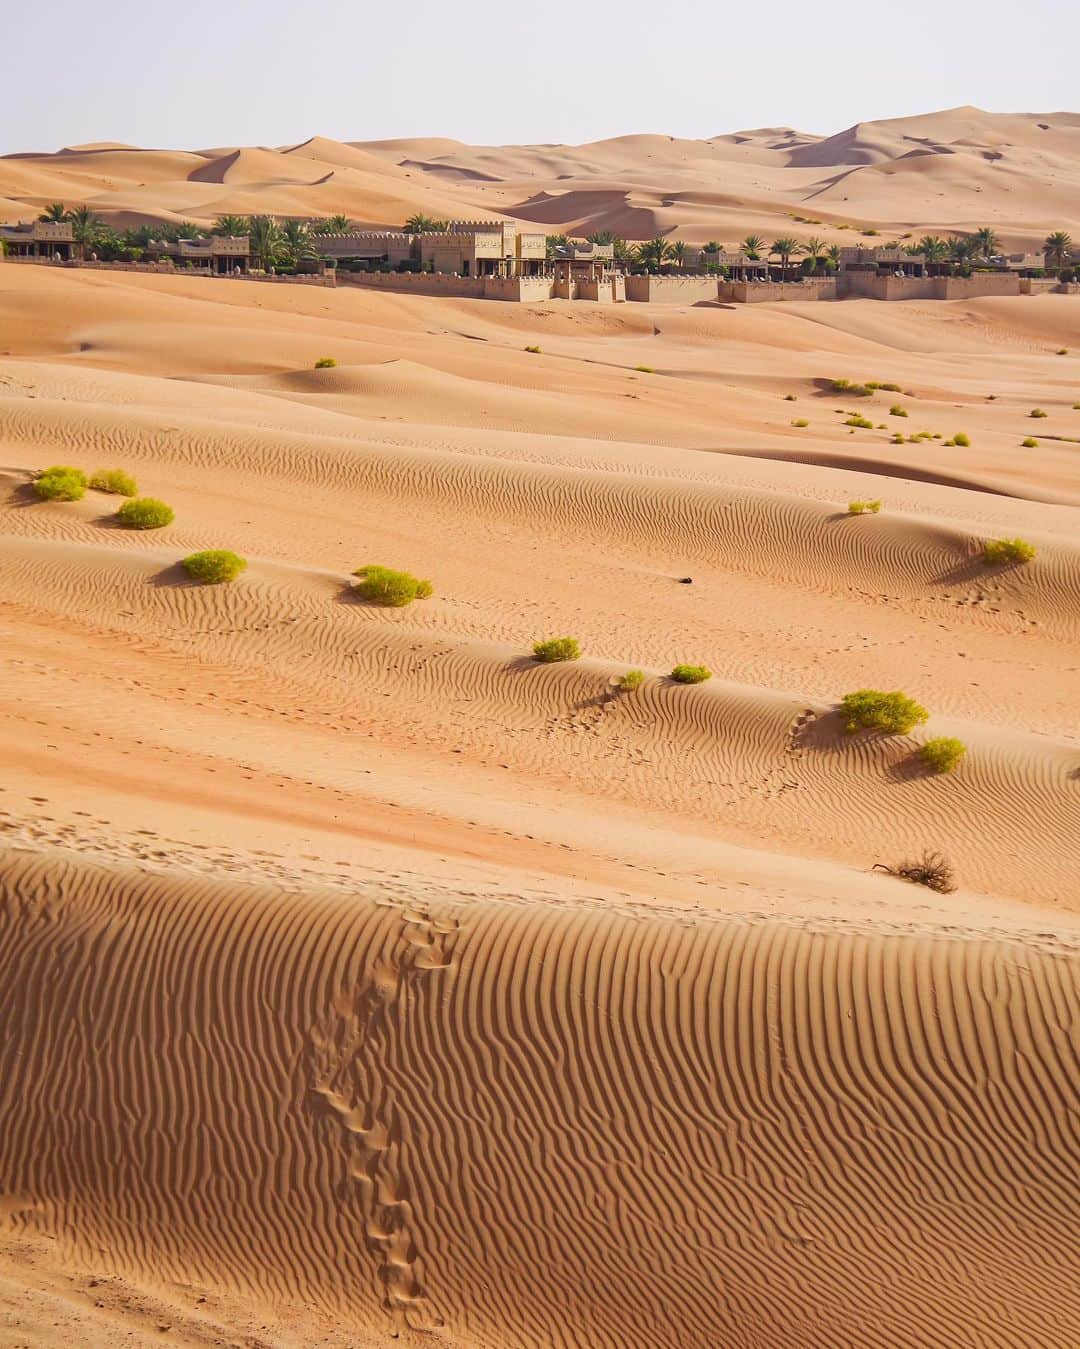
x,y
691,674
631,680
873,710
325,363
1038,412
388,588
61,483
862,422
145,513
943,753
214,566
1002,552
114,481
864,507
555,649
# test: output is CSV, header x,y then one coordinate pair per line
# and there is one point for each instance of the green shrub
x,y
961,439
1038,412
897,411
864,507
877,384
145,513
691,674
1063,351
790,398
862,422
555,649
61,483
645,369
846,386
943,753
534,350
800,421
1029,443
325,363
871,710
898,438
631,680
114,481
998,552
388,588
214,566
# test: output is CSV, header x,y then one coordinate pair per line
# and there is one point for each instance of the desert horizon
x,y
551,823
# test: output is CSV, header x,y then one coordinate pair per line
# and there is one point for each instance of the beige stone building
x,y
52,239
466,248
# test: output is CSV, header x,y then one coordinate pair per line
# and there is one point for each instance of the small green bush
x,y
943,753
145,513
790,398
631,680
645,369
898,438
872,710
1038,412
114,481
800,421
1029,443
998,552
534,350
864,507
846,386
388,588
1063,351
556,649
61,483
862,422
691,674
897,411
325,363
961,439
214,566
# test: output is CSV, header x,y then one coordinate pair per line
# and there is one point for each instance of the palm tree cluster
x,y
425,224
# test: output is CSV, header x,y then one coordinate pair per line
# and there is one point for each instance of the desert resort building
x,y
501,260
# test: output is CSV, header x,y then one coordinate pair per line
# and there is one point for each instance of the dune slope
x,y
459,1111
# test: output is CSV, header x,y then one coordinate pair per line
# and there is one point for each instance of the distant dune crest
x,y
957,168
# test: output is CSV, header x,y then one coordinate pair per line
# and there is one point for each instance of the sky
x,y
195,74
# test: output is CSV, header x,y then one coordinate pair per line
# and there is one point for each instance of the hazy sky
x,y
200,73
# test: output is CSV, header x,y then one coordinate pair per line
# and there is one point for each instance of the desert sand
x,y
363,981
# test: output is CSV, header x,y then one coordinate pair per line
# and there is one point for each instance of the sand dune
x,y
955,169
364,981
455,1108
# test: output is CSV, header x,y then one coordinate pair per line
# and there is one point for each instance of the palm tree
x,y
833,254
552,244
600,237
621,248
296,242
960,250
986,242
1058,249
266,241
333,224
655,252
785,249
231,225
933,249
424,224
815,251
712,247
678,253
86,227
54,214
752,246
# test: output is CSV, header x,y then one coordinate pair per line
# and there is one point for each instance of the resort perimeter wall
x,y
758,292
867,285
670,289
